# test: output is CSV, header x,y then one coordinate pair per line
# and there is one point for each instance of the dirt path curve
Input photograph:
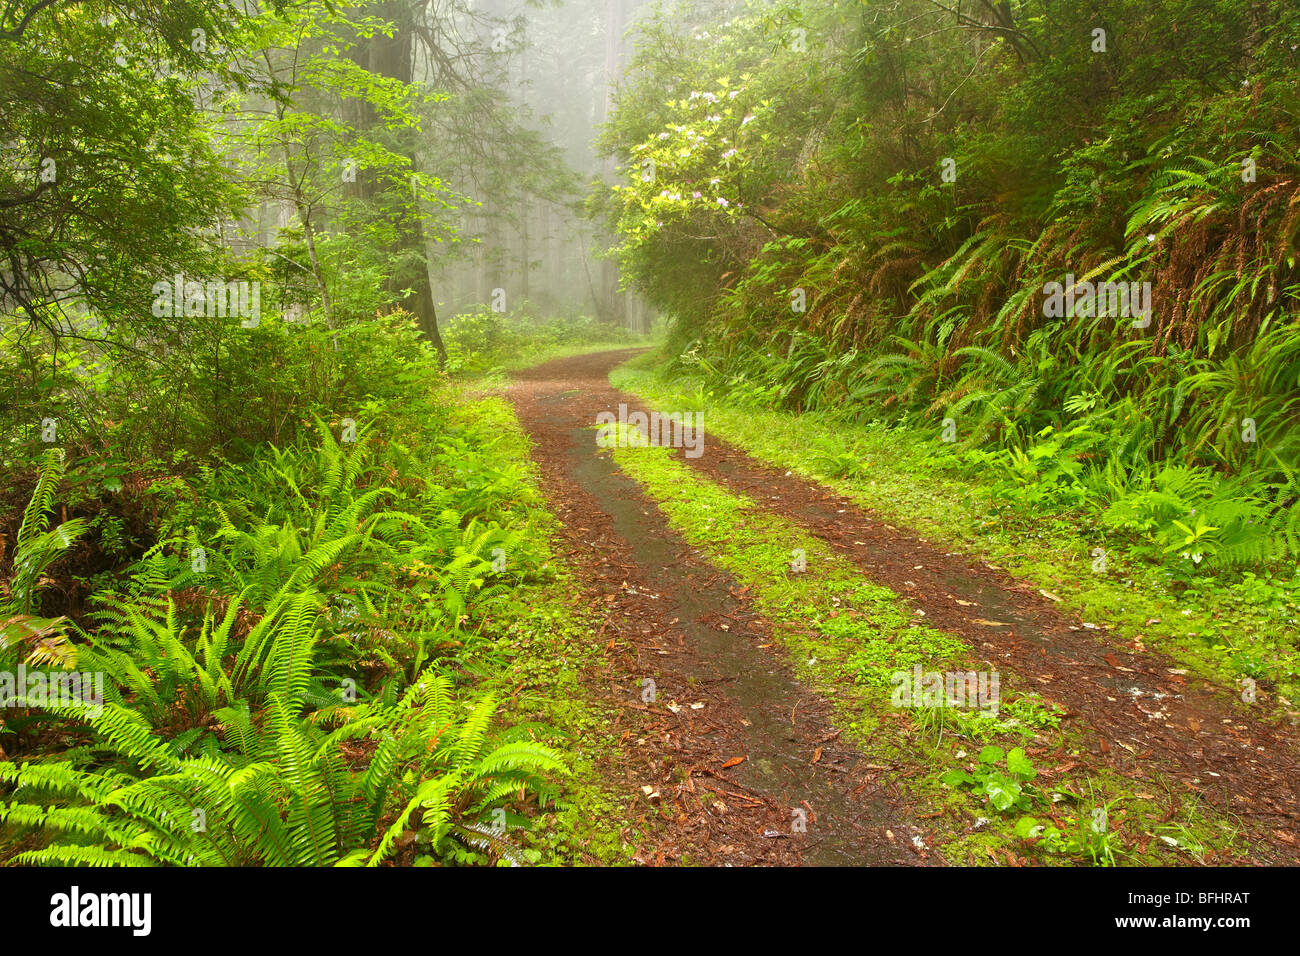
x,y
721,690
1141,719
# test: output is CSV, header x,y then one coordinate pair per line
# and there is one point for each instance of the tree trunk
x,y
393,57
612,306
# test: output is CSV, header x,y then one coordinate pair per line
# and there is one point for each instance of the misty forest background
x,y
307,550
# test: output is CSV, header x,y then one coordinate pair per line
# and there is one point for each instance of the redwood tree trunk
x,y
393,57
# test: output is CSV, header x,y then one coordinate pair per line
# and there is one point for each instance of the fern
x,y
37,545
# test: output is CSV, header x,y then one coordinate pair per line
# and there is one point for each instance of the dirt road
x,y
676,621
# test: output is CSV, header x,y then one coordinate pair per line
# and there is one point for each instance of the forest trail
x,y
671,617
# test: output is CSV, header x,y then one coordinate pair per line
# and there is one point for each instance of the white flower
x,y
747,119
722,202
663,135
715,119
729,153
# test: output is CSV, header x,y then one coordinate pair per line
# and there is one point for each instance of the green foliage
x,y
290,691
1087,835
23,634
846,274
38,545
1004,790
284,793
286,543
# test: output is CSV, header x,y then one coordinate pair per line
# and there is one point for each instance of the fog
x,y
526,241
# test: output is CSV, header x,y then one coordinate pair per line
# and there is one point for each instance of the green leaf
x,y
957,778
1027,828
1020,765
1002,791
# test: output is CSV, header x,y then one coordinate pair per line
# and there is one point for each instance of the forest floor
x,y
751,731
